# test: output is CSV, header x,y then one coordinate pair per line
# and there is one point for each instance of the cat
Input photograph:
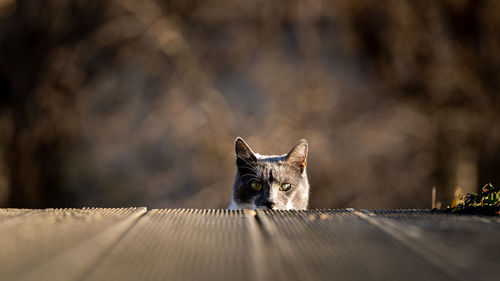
x,y
270,181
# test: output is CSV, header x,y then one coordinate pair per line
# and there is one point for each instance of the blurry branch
x,y
165,32
7,7
131,102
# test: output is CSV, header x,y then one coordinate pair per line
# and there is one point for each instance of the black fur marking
x,y
271,179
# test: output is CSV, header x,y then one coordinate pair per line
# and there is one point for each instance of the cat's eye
x,y
256,186
285,187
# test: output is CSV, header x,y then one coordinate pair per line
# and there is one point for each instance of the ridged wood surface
x,y
193,244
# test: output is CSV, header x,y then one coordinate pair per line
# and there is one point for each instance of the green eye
x,y
285,187
256,186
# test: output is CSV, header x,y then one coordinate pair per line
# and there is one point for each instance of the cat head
x,y
270,181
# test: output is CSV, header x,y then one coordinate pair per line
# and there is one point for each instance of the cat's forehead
x,y
270,161
272,164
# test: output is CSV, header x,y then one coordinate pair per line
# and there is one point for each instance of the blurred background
x,y
137,103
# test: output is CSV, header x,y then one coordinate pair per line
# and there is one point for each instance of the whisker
x,y
250,179
250,165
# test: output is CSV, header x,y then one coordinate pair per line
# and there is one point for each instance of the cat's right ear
x,y
243,152
298,155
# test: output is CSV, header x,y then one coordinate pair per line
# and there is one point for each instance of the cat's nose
x,y
269,204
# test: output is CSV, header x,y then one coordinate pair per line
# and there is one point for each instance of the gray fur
x,y
271,171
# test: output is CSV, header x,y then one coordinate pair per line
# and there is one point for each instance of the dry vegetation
x,y
116,103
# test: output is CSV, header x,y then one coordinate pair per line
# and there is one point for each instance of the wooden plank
x,y
183,245
187,244
465,245
338,244
60,244
9,216
8,213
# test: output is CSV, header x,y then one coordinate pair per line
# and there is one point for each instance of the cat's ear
x,y
298,155
243,152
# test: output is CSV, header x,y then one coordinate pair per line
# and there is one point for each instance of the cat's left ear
x,y
298,155
243,151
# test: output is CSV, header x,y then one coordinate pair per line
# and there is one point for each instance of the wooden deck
x,y
185,244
